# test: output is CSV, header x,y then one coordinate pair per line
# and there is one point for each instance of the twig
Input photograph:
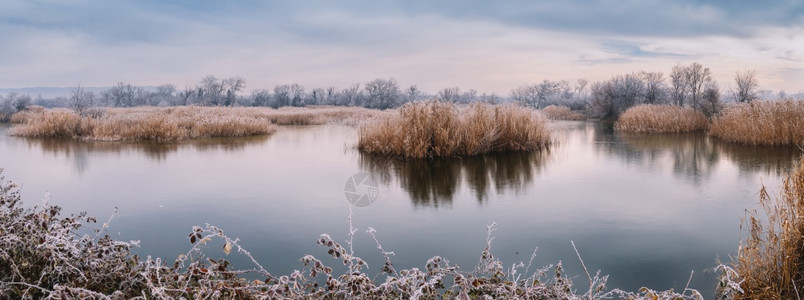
x,y
688,283
591,283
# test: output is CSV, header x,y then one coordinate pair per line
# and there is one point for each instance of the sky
x,y
489,46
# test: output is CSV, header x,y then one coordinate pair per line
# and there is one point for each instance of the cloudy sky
x,y
491,46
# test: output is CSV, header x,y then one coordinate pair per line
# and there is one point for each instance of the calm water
x,y
646,210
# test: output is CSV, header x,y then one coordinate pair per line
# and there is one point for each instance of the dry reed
x,y
176,123
650,118
762,123
556,112
771,260
135,124
437,129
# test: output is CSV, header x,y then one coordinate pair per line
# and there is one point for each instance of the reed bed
x,y
762,123
770,263
154,124
176,123
650,118
558,112
23,116
438,129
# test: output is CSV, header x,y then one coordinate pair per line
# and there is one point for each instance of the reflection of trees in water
x,y
434,182
693,155
772,160
80,151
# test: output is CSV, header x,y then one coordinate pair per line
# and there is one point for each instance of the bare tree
x,y
580,87
123,95
317,96
15,102
186,94
296,95
232,86
490,98
412,93
281,96
260,97
449,94
526,95
382,93
351,95
747,86
698,77
678,80
165,94
655,88
332,95
468,96
613,97
710,104
81,100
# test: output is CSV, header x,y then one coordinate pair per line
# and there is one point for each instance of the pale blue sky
x,y
491,46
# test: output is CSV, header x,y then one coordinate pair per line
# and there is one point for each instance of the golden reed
x,y
438,129
651,118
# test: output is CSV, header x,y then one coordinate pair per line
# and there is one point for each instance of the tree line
x,y
687,85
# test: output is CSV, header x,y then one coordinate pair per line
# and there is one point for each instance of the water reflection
x,y
693,156
435,182
80,151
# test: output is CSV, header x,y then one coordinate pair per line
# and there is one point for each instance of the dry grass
x,y
22,117
762,123
771,260
554,112
176,123
136,124
649,118
316,115
437,129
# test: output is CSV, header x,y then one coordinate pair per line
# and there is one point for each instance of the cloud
x,y
489,46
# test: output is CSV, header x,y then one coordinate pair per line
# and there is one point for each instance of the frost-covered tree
x,y
654,87
747,86
81,100
449,94
382,93
260,97
611,98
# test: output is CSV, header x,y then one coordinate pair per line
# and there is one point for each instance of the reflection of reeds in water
x,y
696,154
80,151
434,182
